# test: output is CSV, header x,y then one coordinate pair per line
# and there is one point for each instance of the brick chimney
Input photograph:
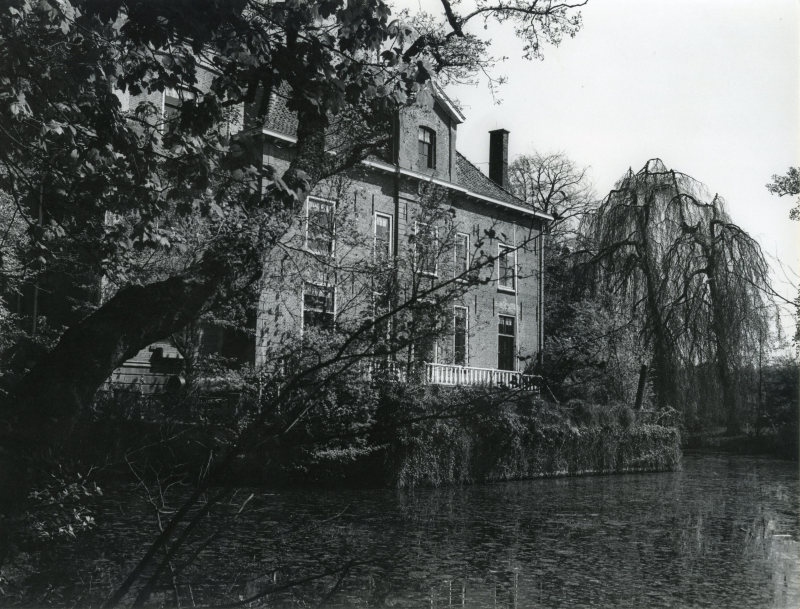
x,y
498,157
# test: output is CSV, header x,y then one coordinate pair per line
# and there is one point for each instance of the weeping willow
x,y
696,283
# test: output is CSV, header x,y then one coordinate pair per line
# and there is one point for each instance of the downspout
x,y
36,284
396,227
540,337
517,312
396,161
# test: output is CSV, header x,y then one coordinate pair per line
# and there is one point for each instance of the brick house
x,y
496,327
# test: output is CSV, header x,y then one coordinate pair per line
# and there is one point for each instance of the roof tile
x,y
469,176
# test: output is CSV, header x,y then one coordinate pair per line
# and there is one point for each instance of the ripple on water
x,y
723,532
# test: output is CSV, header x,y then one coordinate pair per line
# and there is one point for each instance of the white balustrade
x,y
386,369
447,374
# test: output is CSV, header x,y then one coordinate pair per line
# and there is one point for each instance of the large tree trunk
x,y
68,377
719,324
663,360
38,414
47,398
37,417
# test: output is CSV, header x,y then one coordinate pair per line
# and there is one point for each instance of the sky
x,y
711,87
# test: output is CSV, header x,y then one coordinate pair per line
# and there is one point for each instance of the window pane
x,y
505,269
319,236
318,306
505,344
427,148
381,307
462,254
506,325
382,237
172,111
460,336
426,249
172,106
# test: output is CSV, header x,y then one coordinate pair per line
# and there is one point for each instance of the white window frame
x,y
332,205
457,263
375,235
515,336
180,94
431,164
435,232
466,334
303,303
501,247
377,296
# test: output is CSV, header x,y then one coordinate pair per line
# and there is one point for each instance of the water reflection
x,y
721,533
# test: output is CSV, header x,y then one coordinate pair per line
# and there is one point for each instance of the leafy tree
x,y
788,185
583,339
124,186
12,266
67,142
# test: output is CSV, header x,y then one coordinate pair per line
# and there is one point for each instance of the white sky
x,y
712,87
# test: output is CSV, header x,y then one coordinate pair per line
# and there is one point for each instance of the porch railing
x,y
448,374
386,369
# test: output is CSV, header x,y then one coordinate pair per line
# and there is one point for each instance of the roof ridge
x,y
438,92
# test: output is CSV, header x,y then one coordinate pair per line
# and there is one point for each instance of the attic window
x,y
427,148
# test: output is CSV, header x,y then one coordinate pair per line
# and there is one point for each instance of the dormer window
x,y
427,148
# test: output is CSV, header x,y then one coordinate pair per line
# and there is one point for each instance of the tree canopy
x,y
788,186
95,178
71,150
699,283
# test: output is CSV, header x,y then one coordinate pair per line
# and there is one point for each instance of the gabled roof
x,y
447,104
471,177
469,180
476,187
281,120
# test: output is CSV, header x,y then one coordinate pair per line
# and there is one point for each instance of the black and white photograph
x,y
399,303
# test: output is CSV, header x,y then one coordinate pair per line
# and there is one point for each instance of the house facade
x,y
420,207
381,212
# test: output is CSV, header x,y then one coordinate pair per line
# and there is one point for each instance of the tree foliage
x,y
177,216
788,186
70,148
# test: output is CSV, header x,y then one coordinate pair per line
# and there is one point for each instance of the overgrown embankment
x,y
779,441
431,436
387,434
